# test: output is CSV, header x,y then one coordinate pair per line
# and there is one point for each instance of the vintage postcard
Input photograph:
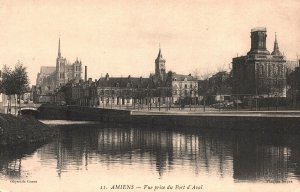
x,y
149,96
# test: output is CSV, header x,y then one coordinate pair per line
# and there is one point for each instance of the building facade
x,y
217,88
184,89
294,87
160,89
118,91
260,72
45,80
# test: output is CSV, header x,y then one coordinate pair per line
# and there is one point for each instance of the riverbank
x,y
23,130
276,121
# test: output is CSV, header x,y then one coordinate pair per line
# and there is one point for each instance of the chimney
x,y
90,81
106,77
85,73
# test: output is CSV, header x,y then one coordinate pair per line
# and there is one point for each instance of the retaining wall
x,y
171,121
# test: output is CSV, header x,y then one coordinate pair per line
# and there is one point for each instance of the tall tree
x,y
14,82
21,81
7,85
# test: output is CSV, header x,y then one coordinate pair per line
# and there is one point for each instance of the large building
x,y
46,79
65,71
51,78
125,90
160,89
260,72
184,89
294,87
217,88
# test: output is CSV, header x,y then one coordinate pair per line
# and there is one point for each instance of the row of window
x,y
63,66
62,75
271,70
185,92
185,86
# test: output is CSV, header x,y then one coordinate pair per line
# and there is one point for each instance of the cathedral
x,y
260,72
52,77
65,71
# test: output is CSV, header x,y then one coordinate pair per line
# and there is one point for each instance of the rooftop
x,y
47,70
264,29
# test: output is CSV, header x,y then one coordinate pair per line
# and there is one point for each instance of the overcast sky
x,y
122,37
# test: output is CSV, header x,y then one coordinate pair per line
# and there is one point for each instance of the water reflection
x,y
11,160
242,156
268,157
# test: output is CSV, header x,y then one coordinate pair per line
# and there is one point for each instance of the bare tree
x,y
203,86
201,75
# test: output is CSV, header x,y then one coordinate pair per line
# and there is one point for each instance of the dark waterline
x,y
241,156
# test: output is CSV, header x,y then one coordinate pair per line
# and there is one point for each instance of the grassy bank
x,y
23,130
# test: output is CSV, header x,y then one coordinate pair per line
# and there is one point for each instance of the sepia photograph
x,y
149,96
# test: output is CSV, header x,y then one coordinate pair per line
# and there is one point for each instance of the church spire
x,y
59,54
276,47
160,67
159,56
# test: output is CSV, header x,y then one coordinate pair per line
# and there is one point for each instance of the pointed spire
x,y
276,43
276,47
59,54
159,56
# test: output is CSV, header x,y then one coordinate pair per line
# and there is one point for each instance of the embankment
x,y
23,130
226,121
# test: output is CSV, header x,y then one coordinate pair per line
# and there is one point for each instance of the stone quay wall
x,y
174,121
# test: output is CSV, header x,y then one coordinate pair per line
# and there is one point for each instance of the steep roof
x,y
126,82
159,56
276,51
180,77
47,70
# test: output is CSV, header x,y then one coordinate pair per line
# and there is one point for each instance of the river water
x,y
99,158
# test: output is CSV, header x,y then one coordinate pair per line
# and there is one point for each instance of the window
x,y
269,71
279,70
274,72
185,86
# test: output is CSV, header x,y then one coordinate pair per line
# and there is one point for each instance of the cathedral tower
x,y
60,68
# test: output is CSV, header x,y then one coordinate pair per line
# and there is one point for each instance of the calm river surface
x,y
93,157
